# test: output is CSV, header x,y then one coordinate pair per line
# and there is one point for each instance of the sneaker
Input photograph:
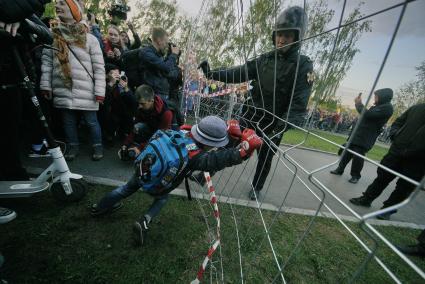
x,y
337,172
97,153
353,180
43,152
95,211
384,216
253,194
140,229
6,215
415,250
361,201
71,152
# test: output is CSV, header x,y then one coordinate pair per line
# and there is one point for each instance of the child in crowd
x,y
74,76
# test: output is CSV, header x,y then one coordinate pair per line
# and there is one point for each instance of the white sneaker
x,y
6,215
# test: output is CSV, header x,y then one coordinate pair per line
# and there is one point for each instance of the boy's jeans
x,y
128,189
70,126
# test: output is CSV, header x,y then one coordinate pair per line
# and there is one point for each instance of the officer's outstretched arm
x,y
237,74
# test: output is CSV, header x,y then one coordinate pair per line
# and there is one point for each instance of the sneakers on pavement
x,y
6,215
97,153
361,201
71,152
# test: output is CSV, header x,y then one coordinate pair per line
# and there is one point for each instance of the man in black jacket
x,y
368,130
275,75
16,16
157,71
13,15
406,156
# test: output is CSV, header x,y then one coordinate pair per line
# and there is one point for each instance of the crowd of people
x,y
334,121
80,78
128,92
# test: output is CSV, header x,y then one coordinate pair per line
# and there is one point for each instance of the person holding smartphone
x,y
118,109
367,131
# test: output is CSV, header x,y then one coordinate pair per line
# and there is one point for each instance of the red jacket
x,y
108,46
159,118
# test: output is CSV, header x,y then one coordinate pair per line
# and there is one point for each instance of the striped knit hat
x,y
76,9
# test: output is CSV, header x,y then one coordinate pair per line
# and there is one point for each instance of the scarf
x,y
71,34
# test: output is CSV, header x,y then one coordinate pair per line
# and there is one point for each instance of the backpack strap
x,y
189,173
78,59
186,183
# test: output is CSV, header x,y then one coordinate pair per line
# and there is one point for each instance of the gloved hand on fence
x,y
205,66
250,142
234,129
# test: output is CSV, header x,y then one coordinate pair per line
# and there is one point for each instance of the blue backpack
x,y
163,159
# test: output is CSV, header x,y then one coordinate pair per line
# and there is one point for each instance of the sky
x,y
407,52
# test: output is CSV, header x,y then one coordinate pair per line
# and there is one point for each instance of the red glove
x,y
233,129
250,142
186,127
100,99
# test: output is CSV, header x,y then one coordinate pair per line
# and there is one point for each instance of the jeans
x,y
128,189
70,121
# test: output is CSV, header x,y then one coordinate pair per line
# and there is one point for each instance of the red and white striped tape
x,y
216,94
213,248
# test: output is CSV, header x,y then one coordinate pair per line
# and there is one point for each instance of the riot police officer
x,y
282,82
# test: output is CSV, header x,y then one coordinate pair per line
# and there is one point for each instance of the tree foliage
x,y
226,39
162,13
227,33
411,93
331,67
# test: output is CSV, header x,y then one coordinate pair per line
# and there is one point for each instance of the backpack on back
x,y
132,67
162,160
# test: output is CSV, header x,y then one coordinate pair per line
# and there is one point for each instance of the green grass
x,y
295,136
54,243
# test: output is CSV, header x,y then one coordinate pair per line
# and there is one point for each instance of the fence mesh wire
x,y
270,251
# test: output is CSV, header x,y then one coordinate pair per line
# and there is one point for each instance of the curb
x,y
267,206
309,149
252,204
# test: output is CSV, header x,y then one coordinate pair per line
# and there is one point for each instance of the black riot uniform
x,y
271,96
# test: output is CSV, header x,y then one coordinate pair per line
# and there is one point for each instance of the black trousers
x,y
10,142
412,167
357,164
265,158
421,238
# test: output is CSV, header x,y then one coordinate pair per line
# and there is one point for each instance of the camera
x,y
123,76
127,154
119,10
170,44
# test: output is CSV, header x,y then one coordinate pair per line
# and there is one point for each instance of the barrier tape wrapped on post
x,y
213,248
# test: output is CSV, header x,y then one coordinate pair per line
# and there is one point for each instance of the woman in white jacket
x,y
74,76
